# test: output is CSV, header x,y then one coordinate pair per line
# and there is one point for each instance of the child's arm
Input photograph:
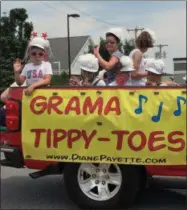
x,y
20,79
44,82
4,95
46,78
107,65
170,83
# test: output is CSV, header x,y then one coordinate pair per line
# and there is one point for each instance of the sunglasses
x,y
35,54
110,42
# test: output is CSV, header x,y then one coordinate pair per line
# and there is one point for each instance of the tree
x,y
15,34
59,80
128,46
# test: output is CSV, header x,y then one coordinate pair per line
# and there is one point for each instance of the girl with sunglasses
x,y
38,72
113,38
35,74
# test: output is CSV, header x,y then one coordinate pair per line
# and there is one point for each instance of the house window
x,y
179,66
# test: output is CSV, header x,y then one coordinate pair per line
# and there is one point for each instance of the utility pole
x,y
160,54
135,30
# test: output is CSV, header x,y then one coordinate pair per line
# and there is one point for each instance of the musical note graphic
x,y
157,117
177,112
140,106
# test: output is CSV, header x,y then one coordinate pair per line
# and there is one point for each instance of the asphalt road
x,y
19,191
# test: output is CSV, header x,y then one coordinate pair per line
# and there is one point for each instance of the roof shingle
x,y
59,47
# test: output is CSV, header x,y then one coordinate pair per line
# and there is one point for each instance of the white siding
x,y
75,67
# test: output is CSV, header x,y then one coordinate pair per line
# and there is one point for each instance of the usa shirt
x,y
34,73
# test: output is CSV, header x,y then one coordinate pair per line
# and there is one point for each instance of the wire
x,y
97,27
58,10
94,18
87,14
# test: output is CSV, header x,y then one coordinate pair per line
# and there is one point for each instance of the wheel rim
x,y
99,182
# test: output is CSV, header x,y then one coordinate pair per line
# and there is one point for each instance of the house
x,y
179,69
79,45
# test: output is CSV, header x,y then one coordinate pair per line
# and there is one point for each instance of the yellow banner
x,y
144,127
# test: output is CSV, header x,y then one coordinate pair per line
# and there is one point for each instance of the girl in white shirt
x,y
37,73
89,67
144,41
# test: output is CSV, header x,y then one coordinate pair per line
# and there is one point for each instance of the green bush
x,y
60,80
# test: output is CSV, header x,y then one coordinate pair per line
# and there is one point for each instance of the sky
x,y
166,18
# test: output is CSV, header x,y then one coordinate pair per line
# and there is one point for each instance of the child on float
x,y
123,78
155,70
38,72
144,41
89,67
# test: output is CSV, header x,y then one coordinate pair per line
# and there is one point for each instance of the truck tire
x,y
101,186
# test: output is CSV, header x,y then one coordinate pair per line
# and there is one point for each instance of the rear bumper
x,y
172,182
166,170
12,157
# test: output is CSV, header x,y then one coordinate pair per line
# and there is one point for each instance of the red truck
x,y
85,183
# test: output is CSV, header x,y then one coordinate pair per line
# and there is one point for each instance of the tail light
x,y
12,115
